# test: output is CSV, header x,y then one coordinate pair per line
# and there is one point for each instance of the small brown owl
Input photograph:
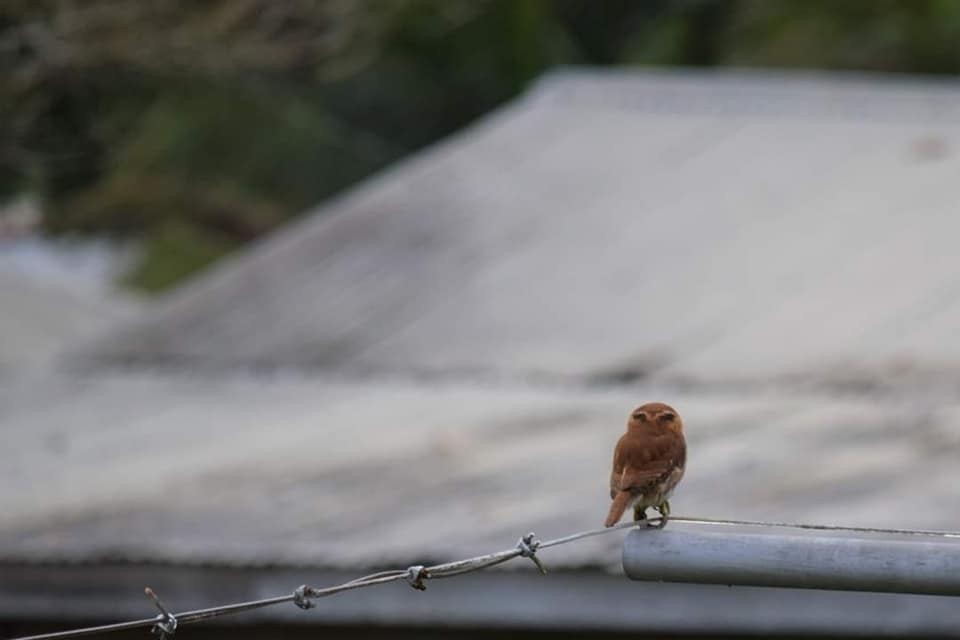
x,y
648,462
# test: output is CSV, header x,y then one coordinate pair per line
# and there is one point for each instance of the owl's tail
x,y
620,503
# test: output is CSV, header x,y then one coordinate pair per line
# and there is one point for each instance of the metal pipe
x,y
772,558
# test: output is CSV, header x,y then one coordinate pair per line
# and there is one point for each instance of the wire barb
x,y
301,597
528,546
166,624
415,575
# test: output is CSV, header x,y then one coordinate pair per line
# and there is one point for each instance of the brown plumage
x,y
648,462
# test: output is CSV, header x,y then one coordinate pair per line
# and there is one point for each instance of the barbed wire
x,y
165,623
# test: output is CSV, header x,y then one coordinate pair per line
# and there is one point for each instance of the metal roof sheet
x,y
708,228
337,473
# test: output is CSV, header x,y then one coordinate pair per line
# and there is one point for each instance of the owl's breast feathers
x,y
646,459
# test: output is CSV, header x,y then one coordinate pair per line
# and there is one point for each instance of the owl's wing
x,y
650,459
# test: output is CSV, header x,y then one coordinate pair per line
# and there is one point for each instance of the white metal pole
x,y
777,558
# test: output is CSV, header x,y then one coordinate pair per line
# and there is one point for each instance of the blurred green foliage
x,y
196,127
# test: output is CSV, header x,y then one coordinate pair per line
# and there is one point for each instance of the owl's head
x,y
655,413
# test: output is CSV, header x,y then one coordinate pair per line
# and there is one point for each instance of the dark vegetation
x,y
195,127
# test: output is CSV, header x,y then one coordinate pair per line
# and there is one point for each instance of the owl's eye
x,y
666,417
639,415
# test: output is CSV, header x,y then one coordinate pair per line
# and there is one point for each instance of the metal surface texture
x,y
771,557
353,474
784,228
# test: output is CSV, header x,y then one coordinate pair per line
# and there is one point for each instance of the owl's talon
x,y
639,513
664,509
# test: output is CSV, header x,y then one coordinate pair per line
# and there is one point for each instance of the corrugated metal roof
x,y
691,227
453,347
344,474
